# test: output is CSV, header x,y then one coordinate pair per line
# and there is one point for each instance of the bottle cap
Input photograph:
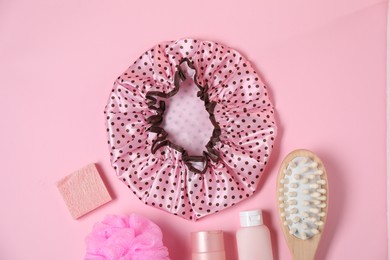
x,y
207,241
251,218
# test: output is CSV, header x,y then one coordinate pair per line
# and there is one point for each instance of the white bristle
x,y
321,214
281,205
294,211
292,231
297,176
319,172
314,210
313,219
322,205
311,176
315,194
285,189
305,180
304,226
319,223
305,214
284,181
316,202
303,235
322,198
305,160
296,219
314,186
314,231
294,185
314,165
322,182
292,202
282,198
306,191
306,203
292,165
323,191
292,194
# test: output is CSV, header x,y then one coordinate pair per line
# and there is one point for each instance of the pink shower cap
x,y
157,131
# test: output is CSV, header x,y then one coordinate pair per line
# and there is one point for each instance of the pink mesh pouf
x,y
190,127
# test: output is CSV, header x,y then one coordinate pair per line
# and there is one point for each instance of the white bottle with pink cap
x,y
253,238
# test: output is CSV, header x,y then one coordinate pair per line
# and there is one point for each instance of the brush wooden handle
x,y
302,249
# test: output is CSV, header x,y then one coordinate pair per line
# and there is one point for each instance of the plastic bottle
x,y
253,238
208,245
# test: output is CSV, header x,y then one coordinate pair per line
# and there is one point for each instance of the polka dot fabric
x,y
243,112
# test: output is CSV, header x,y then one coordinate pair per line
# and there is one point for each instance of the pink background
x,y
323,61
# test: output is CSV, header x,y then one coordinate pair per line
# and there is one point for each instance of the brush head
x,y
302,194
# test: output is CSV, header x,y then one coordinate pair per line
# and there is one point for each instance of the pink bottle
x,y
208,245
253,238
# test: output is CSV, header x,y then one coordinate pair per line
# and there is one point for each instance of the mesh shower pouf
x,y
190,127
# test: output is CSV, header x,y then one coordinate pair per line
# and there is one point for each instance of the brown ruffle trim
x,y
156,120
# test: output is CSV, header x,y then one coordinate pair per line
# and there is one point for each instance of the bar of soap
x,y
83,191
